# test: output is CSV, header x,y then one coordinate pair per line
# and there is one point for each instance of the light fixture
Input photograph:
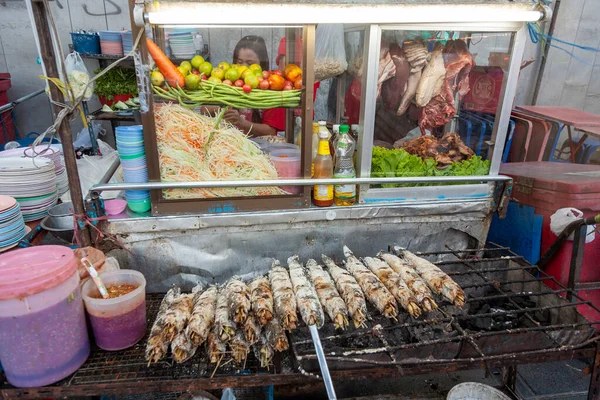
x,y
192,13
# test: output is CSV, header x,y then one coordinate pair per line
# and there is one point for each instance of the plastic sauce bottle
x,y
323,194
344,195
298,132
315,146
334,136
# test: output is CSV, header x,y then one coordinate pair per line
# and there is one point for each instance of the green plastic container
x,y
132,157
139,206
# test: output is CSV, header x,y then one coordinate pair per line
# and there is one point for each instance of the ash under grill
x,y
509,310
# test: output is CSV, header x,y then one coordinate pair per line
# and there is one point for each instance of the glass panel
x,y
256,142
437,95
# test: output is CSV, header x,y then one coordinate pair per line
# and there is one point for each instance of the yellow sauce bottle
x,y
323,194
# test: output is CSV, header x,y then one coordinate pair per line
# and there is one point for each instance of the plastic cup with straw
x,y
95,277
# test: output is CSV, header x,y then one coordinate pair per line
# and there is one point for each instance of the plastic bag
x,y
92,169
83,137
78,76
330,51
228,394
563,217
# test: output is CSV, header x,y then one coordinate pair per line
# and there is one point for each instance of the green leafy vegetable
x,y
116,81
388,163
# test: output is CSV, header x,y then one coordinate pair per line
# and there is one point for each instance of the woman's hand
x,y
233,117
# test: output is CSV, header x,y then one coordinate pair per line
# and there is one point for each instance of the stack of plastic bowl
x,y
287,163
110,42
130,145
127,41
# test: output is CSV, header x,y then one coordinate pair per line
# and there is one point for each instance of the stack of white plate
x,y
32,181
54,152
182,45
12,226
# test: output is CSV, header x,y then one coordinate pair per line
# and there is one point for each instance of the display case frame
x,y
367,194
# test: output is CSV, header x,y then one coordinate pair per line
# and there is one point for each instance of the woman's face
x,y
247,57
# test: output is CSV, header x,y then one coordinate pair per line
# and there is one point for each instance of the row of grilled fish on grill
x,y
237,316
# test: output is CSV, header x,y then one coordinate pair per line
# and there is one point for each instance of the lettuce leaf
x,y
386,163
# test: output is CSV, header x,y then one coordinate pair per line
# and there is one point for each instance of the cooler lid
x,y
25,272
555,176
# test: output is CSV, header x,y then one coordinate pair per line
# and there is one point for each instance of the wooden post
x,y
66,136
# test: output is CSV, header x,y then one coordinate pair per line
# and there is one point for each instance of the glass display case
x,y
427,95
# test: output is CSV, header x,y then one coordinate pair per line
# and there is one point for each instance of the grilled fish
x,y
158,344
394,284
371,286
437,280
283,294
328,295
261,298
203,315
306,296
413,280
350,291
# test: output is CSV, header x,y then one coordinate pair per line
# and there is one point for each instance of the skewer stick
x,y
217,366
322,362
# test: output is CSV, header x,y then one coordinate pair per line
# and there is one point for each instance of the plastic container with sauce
x,y
287,164
117,323
43,332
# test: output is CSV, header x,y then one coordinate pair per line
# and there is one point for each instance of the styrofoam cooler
x,y
549,186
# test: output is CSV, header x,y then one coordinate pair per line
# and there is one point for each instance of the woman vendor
x,y
253,50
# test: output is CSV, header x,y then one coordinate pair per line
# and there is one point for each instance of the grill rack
x,y
125,372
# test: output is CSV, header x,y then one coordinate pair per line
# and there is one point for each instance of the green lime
x,y
156,78
232,74
218,73
197,61
184,71
205,68
251,80
192,82
214,79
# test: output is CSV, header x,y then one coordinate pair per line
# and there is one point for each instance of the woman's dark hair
x,y
257,45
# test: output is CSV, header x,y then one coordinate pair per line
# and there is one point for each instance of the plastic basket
x,y
86,43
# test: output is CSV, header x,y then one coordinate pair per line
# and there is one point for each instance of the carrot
x,y
166,67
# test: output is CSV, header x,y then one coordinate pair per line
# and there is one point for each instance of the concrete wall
x,y
567,81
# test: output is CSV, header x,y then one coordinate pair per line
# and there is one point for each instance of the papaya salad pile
x,y
196,82
194,147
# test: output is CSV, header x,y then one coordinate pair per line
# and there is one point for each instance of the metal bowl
x,y
61,210
475,391
59,227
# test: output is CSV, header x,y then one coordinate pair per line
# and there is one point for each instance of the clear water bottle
x,y
344,195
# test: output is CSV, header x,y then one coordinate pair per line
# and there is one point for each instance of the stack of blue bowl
x,y
130,145
127,41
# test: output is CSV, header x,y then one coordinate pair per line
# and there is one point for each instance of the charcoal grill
x,y
511,317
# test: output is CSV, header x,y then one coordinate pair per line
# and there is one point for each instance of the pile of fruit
x,y
197,82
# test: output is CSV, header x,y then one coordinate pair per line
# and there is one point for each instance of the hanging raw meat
x,y
417,56
387,69
393,89
432,78
441,109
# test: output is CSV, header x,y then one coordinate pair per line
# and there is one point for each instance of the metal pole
x,y
540,77
90,128
12,104
322,362
294,182
48,57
